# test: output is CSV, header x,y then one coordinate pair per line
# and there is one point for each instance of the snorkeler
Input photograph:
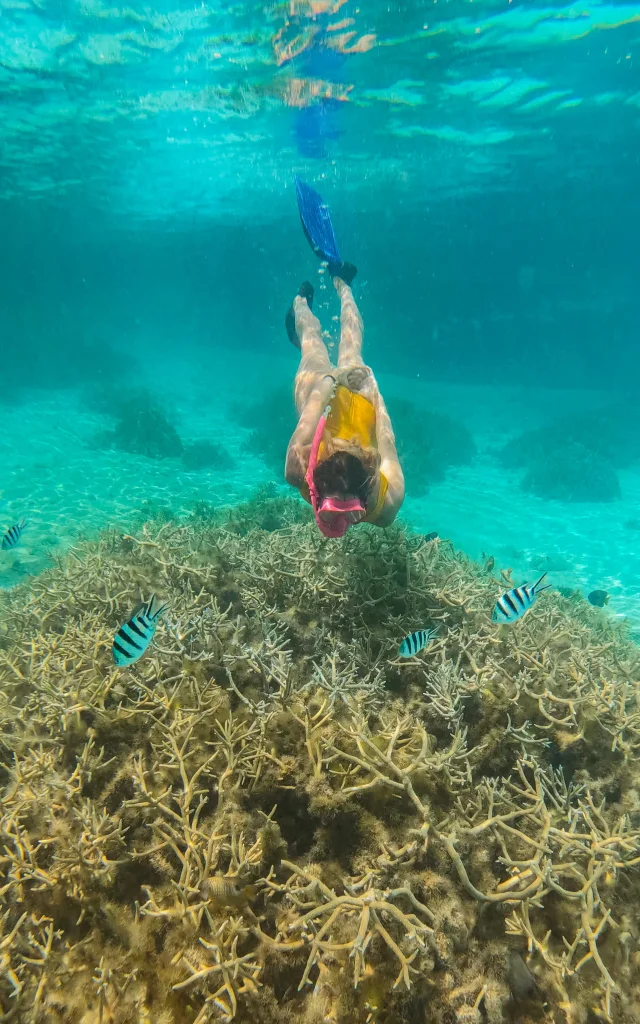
x,y
342,456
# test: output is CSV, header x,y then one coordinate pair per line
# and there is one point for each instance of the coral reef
x,y
572,473
142,427
428,443
141,424
276,411
205,455
603,431
271,508
575,458
272,818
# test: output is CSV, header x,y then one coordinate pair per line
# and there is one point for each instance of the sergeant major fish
x,y
416,642
132,639
13,534
514,603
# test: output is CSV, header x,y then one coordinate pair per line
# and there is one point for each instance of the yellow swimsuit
x,y
353,418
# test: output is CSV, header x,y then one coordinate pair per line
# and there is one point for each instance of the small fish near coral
x,y
598,598
13,534
416,642
514,603
222,891
132,639
431,536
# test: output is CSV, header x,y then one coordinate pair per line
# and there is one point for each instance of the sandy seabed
x,y
70,490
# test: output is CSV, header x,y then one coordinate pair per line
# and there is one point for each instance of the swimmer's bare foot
x,y
306,292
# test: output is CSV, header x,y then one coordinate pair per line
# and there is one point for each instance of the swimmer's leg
x,y
314,357
351,327
306,291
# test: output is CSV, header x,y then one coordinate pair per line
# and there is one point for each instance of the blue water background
x,y
481,162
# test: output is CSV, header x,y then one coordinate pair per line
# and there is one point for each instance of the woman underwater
x,y
342,456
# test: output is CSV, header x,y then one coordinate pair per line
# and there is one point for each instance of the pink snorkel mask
x,y
333,516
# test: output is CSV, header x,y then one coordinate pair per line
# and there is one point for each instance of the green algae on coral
x,y
272,818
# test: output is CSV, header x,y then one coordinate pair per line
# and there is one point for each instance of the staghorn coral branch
x,y
237,974
407,752
200,763
323,910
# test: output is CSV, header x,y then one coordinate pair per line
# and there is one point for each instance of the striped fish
x,y
13,534
516,602
416,642
132,639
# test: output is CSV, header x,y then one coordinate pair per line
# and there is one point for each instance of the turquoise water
x,y
481,163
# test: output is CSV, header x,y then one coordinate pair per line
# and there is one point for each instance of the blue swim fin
x,y
316,223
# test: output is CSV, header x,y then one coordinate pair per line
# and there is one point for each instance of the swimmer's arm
x,y
390,464
297,452
294,470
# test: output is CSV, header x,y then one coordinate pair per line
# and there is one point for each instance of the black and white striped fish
x,y
13,534
416,642
516,602
132,639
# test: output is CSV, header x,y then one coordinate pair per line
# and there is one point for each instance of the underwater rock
x,y
573,473
205,455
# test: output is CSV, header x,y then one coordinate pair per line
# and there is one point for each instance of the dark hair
x,y
343,473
